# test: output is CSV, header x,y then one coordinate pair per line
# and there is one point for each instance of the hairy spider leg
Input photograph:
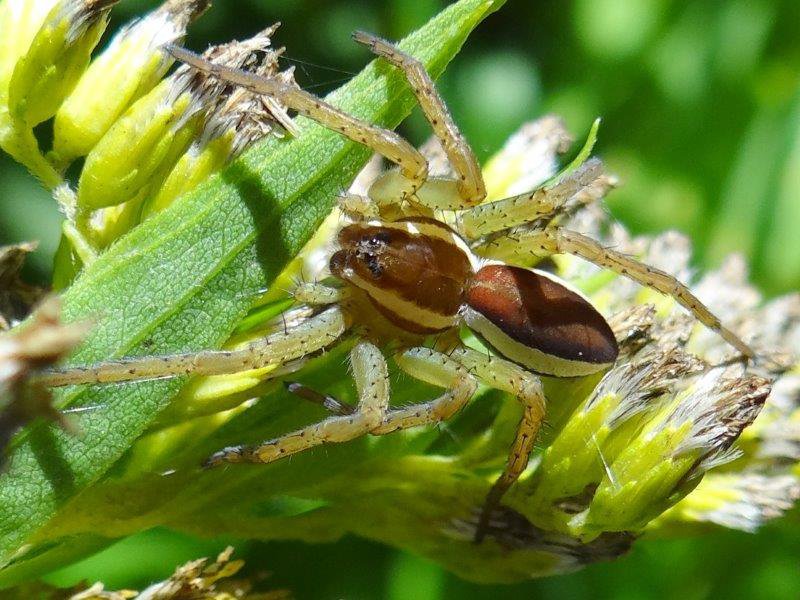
x,y
387,143
318,294
372,414
470,186
491,217
371,375
509,377
435,368
432,366
331,404
308,337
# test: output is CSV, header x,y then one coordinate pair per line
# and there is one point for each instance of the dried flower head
x,y
42,342
132,64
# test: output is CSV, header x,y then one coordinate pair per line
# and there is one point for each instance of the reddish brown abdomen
x,y
531,318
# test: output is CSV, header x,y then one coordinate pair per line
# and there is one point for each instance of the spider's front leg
x,y
469,189
526,242
318,294
387,143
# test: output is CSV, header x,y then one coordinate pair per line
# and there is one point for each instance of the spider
x,y
403,276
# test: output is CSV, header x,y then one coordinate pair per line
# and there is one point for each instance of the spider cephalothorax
x,y
420,277
414,271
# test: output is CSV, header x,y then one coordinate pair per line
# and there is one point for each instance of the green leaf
x,y
184,279
583,154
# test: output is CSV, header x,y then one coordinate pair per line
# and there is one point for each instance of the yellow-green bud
x,y
596,433
133,149
131,66
737,500
241,119
19,22
57,58
197,164
666,459
143,146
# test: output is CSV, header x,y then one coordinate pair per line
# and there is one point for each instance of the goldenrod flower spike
x,y
132,64
132,160
57,58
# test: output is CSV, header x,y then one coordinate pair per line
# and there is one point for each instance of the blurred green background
x,y
701,109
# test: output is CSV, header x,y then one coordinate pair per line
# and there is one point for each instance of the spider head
x,y
412,270
532,318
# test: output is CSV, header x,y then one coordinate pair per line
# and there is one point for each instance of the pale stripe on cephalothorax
x,y
405,309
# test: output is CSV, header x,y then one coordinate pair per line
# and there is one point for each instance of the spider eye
x,y
381,237
532,319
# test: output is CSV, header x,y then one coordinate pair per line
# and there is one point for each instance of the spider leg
x,y
331,404
318,294
491,217
387,143
280,347
371,375
360,207
556,240
527,387
470,186
437,369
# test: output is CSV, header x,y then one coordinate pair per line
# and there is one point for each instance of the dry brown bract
x,y
196,580
16,296
43,342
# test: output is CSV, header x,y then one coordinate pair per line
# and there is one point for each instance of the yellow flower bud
x,y
131,66
19,22
125,158
57,58
667,458
241,119
143,146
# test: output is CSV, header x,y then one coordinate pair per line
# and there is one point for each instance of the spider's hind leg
x,y
509,377
437,369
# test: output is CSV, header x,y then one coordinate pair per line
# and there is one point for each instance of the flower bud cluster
x,y
146,139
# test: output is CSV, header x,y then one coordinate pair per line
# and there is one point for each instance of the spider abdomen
x,y
533,319
414,271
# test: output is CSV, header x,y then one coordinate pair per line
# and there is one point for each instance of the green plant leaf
x,y
182,281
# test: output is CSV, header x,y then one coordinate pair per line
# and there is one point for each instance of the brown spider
x,y
404,275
